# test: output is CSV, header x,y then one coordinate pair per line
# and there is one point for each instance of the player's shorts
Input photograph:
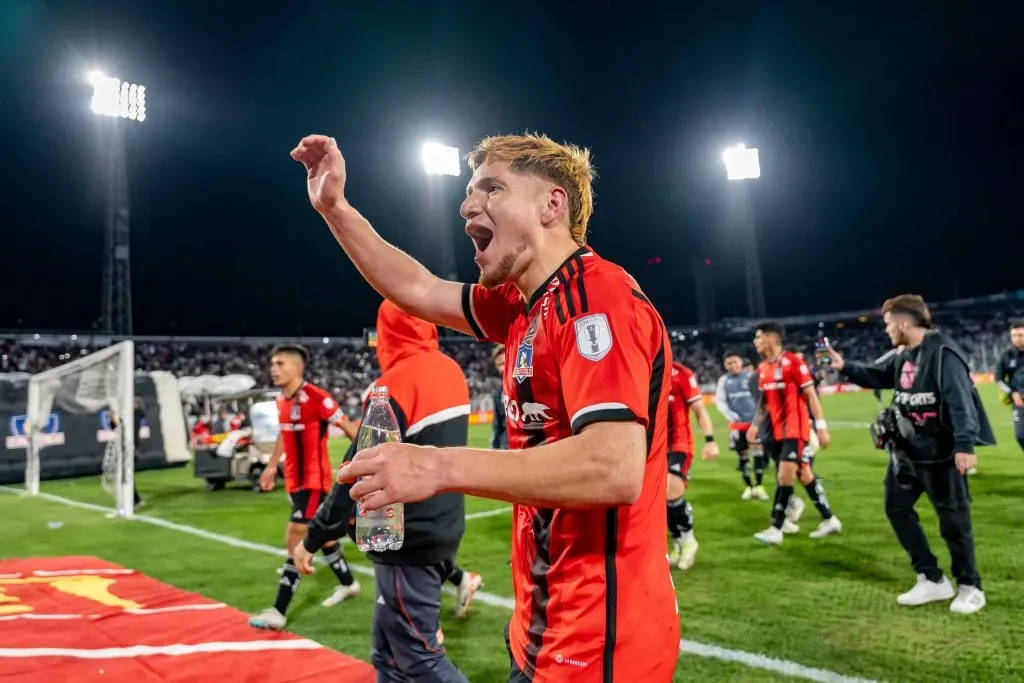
x,y
305,503
679,464
738,437
790,450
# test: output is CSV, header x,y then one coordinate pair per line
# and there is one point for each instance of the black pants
x,y
1018,425
405,624
947,490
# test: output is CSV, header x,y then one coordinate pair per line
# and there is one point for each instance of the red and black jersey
x,y
304,418
685,392
782,382
593,594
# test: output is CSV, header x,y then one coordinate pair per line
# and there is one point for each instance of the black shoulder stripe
x,y
640,295
559,311
567,276
467,311
581,286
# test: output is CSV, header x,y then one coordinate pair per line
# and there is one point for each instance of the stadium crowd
x,y
346,368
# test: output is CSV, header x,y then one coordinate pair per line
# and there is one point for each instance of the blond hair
x,y
567,166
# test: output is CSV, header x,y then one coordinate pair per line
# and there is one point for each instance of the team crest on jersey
x,y
907,374
523,367
593,336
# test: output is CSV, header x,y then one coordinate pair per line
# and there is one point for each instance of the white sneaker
x,y
789,528
685,551
771,536
795,509
341,594
760,493
471,582
832,525
969,600
269,619
747,494
926,591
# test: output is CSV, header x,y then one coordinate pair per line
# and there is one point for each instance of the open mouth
x,y
481,237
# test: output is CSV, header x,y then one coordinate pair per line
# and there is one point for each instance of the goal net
x,y
104,380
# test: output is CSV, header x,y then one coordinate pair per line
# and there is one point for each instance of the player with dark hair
x,y
304,413
787,392
1010,376
685,396
736,402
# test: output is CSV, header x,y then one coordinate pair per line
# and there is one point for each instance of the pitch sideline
x,y
749,659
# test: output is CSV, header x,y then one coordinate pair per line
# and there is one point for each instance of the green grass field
x,y
827,604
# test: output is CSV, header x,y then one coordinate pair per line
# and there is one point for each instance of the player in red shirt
x,y
788,401
684,396
304,412
586,402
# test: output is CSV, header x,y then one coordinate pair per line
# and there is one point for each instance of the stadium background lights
x,y
440,159
741,163
116,98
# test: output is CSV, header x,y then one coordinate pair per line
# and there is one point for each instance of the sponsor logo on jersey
x,y
530,416
19,430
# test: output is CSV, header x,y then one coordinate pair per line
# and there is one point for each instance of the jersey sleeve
x,y
801,374
688,387
327,408
607,357
490,312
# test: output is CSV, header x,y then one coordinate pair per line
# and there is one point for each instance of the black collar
x,y
539,292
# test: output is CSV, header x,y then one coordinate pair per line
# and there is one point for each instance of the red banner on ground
x,y
83,619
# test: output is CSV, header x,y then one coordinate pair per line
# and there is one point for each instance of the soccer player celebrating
x,y
684,397
304,413
587,387
736,403
784,380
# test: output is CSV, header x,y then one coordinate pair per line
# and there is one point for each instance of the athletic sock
x,y
287,586
783,494
817,493
760,465
680,517
745,470
335,558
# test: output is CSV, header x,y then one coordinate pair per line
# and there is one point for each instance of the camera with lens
x,y
891,428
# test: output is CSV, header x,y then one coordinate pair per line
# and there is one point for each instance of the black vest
x,y
918,396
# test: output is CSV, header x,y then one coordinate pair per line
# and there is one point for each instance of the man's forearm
x,y
814,403
393,273
596,468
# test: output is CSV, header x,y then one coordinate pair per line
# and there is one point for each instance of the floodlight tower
x,y
441,160
116,102
742,165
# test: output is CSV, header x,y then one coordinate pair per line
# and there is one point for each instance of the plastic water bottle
x,y
384,528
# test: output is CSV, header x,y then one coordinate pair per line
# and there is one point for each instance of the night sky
x,y
889,140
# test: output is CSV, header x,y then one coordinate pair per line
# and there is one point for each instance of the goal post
x,y
103,380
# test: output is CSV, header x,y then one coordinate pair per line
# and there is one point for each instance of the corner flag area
x,y
80,618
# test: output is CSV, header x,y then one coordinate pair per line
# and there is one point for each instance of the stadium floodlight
x,y
116,98
440,159
741,163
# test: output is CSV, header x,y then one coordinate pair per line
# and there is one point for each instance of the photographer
x,y
930,430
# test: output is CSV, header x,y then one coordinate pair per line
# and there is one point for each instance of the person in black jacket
x,y
499,437
930,431
1010,376
429,396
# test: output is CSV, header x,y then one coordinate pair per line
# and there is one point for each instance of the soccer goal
x,y
104,380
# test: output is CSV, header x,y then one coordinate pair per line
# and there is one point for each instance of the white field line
x,y
750,659
150,650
